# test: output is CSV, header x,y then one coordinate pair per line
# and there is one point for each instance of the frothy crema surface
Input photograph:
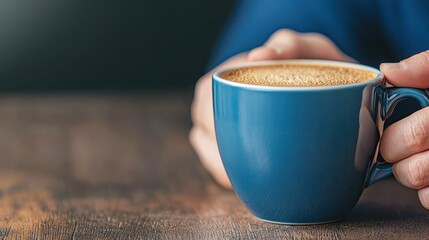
x,y
297,75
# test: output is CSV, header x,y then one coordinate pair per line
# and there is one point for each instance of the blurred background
x,y
106,44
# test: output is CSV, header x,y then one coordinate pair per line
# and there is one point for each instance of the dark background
x,y
106,44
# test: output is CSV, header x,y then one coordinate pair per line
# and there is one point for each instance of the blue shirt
x,y
371,31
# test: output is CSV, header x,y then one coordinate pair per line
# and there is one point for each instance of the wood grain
x,y
111,166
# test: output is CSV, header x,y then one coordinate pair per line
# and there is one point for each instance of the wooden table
x,y
116,166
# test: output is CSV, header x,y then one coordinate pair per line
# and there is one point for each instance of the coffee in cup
x,y
298,75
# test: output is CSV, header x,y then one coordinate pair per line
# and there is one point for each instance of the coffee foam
x,y
297,75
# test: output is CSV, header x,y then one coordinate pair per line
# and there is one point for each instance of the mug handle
x,y
388,98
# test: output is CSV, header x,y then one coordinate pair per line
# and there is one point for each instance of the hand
x,y
406,142
283,44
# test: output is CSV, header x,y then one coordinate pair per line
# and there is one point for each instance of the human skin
x,y
404,143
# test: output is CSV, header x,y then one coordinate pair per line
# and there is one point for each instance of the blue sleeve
x,y
250,25
351,25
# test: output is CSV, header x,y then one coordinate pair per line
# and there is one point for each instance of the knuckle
x,y
284,33
288,41
416,173
321,39
420,59
425,56
283,36
417,135
317,36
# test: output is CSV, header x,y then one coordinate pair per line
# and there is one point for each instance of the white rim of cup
x,y
297,61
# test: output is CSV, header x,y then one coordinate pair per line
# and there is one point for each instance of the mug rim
x,y
379,76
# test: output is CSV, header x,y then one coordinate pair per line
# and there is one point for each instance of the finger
x,y
202,105
319,46
202,108
411,72
207,150
424,197
413,172
282,44
406,137
287,44
263,53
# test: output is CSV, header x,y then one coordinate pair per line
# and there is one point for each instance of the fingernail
x,y
391,66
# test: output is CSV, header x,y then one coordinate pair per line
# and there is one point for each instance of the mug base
x,y
297,224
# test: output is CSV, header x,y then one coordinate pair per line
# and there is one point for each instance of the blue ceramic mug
x,y
304,155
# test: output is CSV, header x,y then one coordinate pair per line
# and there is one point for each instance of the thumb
x,y
411,72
